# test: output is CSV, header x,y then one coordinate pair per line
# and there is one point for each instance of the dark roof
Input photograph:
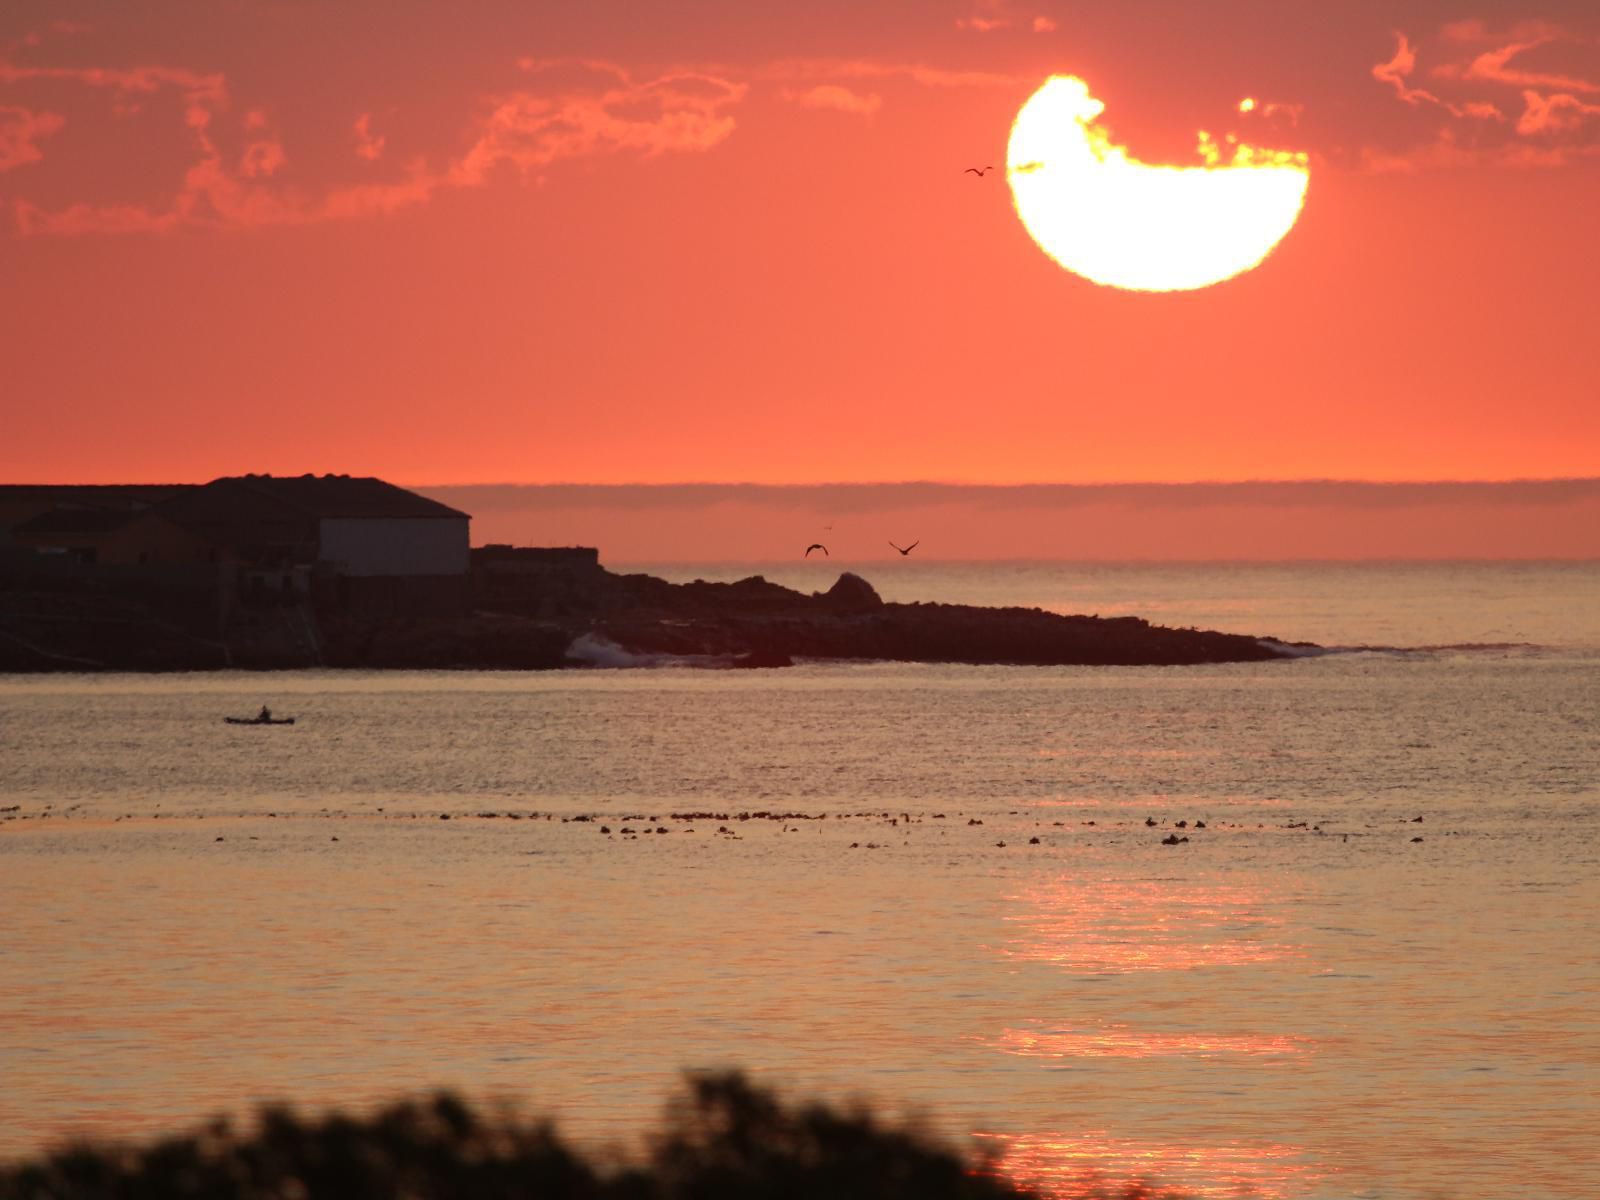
x,y
302,497
106,495
76,520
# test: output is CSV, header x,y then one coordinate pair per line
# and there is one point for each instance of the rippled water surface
x,y
828,875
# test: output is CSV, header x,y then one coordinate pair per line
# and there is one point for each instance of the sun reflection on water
x,y
1093,1164
1111,926
1112,1040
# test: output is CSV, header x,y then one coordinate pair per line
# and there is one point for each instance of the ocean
x,y
1370,970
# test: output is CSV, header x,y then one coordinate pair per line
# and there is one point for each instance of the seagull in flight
x,y
817,546
908,549
979,172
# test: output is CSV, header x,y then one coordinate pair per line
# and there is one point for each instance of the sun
x,y
1147,227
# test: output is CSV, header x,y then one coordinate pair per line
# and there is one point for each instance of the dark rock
x,y
851,593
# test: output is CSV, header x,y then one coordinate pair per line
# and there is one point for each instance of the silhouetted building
x,y
109,504
353,544
536,580
349,544
112,537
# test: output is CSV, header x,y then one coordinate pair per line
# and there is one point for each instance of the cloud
x,y
1494,66
839,99
1270,109
369,146
864,498
1551,131
671,113
834,69
1398,69
607,111
561,110
989,16
262,157
199,88
1556,113
1447,152
21,130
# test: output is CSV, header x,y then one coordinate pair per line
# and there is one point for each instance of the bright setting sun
x,y
1104,215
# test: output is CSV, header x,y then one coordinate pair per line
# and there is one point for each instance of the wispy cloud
x,y
199,87
608,111
922,74
836,97
991,16
674,112
1397,71
1448,152
557,110
21,131
1495,66
1559,112
369,145
880,497
1480,66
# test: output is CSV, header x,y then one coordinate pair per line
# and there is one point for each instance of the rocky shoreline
x,y
612,620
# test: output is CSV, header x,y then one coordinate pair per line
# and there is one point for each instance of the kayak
x,y
259,721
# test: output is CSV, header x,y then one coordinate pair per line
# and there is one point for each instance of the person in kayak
x,y
265,714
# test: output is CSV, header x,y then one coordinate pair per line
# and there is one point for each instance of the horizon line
x,y
1038,483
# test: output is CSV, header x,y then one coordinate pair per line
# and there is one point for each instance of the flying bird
x,y
980,172
908,549
816,546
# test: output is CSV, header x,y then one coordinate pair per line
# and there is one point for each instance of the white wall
x,y
395,545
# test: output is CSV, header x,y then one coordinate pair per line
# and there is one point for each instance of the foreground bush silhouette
x,y
724,1139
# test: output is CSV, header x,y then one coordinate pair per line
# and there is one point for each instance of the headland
x,y
582,618
283,572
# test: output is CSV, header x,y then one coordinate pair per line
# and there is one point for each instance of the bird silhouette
x,y
908,549
816,546
980,172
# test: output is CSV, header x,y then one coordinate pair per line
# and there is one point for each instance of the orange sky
x,y
618,242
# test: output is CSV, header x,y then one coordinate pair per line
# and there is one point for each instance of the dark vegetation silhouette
x,y
723,1139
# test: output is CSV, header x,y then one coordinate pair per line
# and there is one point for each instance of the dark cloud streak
x,y
857,498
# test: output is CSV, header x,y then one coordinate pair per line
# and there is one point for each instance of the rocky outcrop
x,y
751,623
852,594
850,621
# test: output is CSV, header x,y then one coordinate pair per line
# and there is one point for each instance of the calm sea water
x,y
1304,1000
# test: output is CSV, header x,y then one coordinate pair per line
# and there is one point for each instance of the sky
x,y
715,241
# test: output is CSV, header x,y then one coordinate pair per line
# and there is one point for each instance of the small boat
x,y
258,720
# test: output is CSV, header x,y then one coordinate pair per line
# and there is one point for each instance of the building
x,y
113,538
348,544
353,544
540,581
21,503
